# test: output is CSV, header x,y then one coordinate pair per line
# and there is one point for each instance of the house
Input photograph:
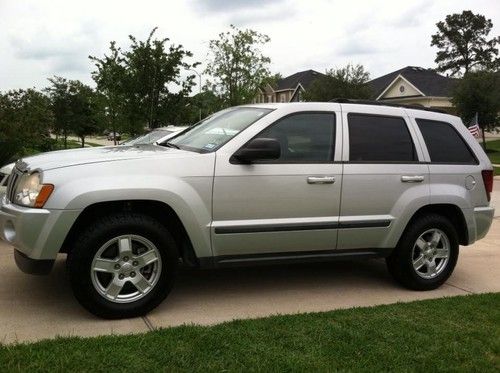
x,y
413,85
289,89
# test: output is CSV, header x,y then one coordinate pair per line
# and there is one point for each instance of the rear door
x,y
384,177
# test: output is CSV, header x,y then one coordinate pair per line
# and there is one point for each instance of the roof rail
x,y
382,103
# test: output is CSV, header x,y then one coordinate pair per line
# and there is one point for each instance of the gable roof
x,y
305,78
427,81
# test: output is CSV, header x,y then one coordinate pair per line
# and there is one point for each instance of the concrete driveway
x,y
33,308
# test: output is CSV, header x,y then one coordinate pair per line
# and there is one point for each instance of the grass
x,y
92,144
493,152
450,334
73,144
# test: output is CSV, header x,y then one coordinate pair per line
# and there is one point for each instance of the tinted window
x,y
379,139
444,143
305,137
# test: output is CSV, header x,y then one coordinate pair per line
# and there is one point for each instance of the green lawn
x,y
493,151
450,334
73,144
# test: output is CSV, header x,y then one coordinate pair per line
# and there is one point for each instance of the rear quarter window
x,y
444,143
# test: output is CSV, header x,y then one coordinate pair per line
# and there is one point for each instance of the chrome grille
x,y
12,183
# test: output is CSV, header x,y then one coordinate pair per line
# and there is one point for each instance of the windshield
x,y
148,138
213,132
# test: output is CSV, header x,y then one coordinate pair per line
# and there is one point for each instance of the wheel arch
x,y
160,211
450,211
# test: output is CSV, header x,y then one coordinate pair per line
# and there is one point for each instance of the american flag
x,y
474,126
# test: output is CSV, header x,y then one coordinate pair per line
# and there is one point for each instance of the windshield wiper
x,y
170,145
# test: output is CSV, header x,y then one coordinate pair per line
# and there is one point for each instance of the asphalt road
x,y
33,308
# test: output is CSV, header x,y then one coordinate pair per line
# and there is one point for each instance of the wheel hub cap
x,y
430,254
126,268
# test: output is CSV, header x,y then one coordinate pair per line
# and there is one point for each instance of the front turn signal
x,y
43,195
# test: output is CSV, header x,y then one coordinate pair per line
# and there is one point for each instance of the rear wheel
x,y
426,253
123,265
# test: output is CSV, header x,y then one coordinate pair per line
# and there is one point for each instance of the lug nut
x,y
117,266
135,263
121,276
132,274
125,258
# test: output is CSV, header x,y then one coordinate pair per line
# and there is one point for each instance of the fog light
x,y
9,231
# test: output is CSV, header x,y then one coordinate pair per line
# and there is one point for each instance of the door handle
x,y
320,180
412,179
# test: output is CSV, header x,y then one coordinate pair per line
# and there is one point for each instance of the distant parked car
x,y
156,136
5,171
114,136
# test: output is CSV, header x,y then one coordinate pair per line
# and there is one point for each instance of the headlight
x,y
29,191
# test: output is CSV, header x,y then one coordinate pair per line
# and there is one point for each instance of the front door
x,y
289,205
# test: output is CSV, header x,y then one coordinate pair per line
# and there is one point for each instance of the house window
x,y
283,97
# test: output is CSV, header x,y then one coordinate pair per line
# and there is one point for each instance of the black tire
x,y
92,238
400,262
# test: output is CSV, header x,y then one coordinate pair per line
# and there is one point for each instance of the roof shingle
x,y
429,82
305,78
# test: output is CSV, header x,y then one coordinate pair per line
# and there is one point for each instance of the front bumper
x,y
37,234
33,266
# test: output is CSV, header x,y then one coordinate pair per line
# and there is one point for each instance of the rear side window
x,y
444,143
374,138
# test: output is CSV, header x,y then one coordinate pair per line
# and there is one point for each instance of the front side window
x,y
216,130
304,137
379,139
444,143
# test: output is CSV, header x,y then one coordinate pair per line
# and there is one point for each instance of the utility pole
x,y
199,86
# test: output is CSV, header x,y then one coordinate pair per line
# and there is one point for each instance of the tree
x,y
112,82
463,45
204,103
152,68
25,120
142,85
346,82
237,65
60,99
479,92
76,108
85,110
272,79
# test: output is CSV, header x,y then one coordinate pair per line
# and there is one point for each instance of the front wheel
x,y
122,266
426,253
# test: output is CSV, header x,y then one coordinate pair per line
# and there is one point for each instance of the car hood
x,y
7,169
74,157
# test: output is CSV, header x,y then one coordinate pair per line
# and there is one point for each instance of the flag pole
x,y
482,131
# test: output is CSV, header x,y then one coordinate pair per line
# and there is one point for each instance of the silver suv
x,y
250,185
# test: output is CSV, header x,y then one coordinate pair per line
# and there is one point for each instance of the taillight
x,y
488,182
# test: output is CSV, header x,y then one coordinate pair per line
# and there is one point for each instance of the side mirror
x,y
256,150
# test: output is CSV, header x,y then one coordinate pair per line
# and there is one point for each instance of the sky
x,y
40,39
